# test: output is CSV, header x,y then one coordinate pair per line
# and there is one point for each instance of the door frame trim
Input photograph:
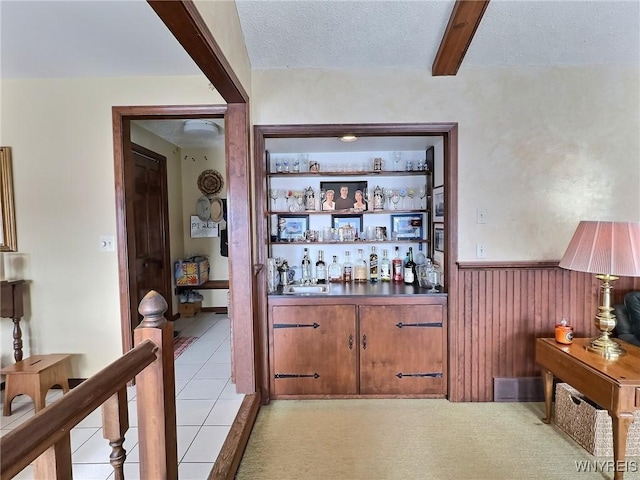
x,y
121,127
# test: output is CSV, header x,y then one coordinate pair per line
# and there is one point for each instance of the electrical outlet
x,y
480,251
480,216
107,243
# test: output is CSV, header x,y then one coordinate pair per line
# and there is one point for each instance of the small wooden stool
x,y
34,376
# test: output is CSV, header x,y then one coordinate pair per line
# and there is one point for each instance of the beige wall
x,y
192,167
539,148
222,19
61,135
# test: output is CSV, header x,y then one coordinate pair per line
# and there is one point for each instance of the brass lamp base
x,y
605,322
604,346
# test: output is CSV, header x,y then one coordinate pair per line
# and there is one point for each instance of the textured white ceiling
x,y
396,33
45,39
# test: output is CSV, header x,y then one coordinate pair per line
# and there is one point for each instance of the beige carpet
x,y
413,439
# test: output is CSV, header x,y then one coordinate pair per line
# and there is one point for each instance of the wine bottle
x,y
306,266
360,270
321,268
347,268
385,267
396,265
335,271
373,265
410,269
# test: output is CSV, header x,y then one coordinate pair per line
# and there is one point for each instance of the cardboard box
x,y
590,425
189,309
191,273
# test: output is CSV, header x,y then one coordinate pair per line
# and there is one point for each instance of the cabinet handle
x,y
364,342
351,342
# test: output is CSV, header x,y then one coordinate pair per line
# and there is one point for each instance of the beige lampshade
x,y
604,248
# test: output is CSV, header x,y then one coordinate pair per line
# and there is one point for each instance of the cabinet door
x,y
314,350
401,349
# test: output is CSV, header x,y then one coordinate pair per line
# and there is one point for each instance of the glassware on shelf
x,y
388,193
395,199
403,193
422,192
397,156
274,193
278,166
411,193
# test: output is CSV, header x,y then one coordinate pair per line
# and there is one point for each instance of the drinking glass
x,y
411,192
274,193
397,156
395,199
388,193
403,193
422,192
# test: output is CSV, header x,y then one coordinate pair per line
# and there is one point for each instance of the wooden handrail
x,y
24,444
45,437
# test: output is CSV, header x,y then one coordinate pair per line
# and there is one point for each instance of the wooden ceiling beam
x,y
185,23
462,26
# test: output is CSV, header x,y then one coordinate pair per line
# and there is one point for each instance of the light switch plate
x,y
107,243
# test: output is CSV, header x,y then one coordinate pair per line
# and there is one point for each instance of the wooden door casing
x,y
402,349
314,350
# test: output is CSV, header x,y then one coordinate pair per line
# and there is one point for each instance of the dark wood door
x,y
314,350
401,349
150,227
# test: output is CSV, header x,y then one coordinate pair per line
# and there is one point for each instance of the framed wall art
x,y
344,196
407,226
438,204
438,238
341,220
291,228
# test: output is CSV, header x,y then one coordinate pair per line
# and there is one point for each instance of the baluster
x,y
55,462
155,394
115,423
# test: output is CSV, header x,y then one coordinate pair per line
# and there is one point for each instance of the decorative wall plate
x,y
210,182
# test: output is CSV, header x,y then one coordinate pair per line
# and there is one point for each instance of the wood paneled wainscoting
x,y
503,307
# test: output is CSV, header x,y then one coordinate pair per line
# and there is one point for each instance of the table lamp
x,y
610,250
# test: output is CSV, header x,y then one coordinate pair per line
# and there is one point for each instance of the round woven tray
x,y
210,182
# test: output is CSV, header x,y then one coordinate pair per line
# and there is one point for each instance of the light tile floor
x,y
206,405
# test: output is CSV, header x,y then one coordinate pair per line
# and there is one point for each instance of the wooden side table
x,y
612,384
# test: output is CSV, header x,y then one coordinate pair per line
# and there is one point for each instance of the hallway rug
x,y
180,344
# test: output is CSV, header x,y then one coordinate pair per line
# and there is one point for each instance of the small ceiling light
x,y
348,138
201,126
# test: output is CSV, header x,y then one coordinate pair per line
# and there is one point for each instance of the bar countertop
x,y
378,289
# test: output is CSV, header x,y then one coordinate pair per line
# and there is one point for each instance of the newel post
x,y
155,393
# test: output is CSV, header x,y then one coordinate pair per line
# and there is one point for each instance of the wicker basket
x,y
590,425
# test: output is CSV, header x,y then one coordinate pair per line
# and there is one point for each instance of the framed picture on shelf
x,y
341,220
344,196
438,204
291,228
438,238
407,226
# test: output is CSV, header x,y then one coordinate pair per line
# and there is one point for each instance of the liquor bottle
x,y
373,265
306,266
396,266
410,269
360,269
321,268
335,271
385,267
347,268
421,258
